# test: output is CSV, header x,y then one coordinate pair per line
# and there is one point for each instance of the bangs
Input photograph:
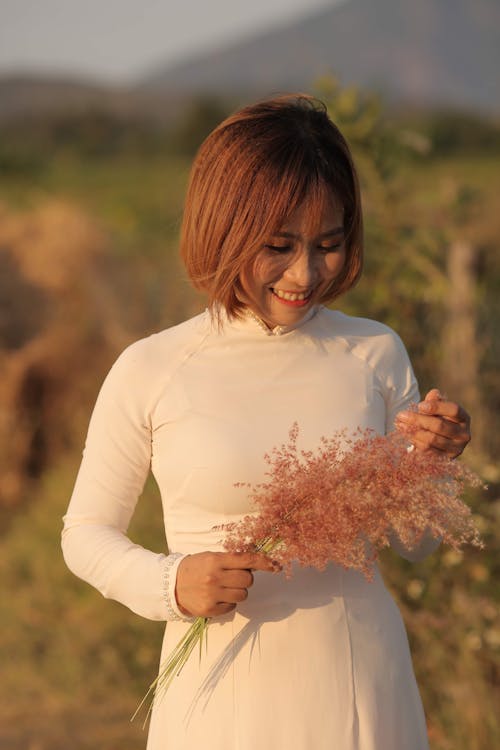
x,y
279,191
313,200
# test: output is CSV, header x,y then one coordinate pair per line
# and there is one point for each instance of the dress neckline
x,y
250,321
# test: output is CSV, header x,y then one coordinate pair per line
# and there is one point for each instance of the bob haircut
x,y
250,174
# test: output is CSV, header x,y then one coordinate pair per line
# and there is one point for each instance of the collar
x,y
250,317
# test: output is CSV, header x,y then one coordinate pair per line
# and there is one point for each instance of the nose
x,y
301,271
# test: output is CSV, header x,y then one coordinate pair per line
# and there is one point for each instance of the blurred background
x,y
102,107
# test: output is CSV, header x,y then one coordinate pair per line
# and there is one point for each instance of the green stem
x,y
174,663
198,631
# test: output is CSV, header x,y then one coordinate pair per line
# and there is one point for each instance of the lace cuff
x,y
170,564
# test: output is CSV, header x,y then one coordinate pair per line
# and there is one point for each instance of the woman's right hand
x,y
213,583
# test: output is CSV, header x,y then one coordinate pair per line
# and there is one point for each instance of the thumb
x,y
426,406
433,395
263,562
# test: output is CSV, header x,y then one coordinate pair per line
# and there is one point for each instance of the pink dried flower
x,y
342,502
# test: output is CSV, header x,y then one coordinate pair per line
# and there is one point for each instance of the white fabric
x,y
170,566
320,662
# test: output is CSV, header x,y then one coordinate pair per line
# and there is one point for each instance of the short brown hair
x,y
249,175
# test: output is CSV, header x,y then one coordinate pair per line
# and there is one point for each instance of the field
x,y
89,249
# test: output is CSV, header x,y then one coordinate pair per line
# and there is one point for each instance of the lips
x,y
295,299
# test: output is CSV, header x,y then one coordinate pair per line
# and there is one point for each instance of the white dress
x,y
320,662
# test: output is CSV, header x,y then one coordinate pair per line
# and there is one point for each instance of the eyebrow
x,y
328,233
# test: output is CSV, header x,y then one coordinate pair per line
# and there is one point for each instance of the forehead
x,y
315,215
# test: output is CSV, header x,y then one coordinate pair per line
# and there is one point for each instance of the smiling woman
x,y
273,178
272,230
298,267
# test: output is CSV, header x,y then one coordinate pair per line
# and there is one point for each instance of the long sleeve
x,y
401,391
397,379
115,464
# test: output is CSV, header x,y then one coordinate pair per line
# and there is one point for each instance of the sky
x,y
120,40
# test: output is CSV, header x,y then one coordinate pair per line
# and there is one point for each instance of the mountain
x,y
27,96
420,52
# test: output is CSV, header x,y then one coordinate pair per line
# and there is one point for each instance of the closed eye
x,y
330,248
278,248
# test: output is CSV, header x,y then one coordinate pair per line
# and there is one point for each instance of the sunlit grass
x,y
74,665
65,651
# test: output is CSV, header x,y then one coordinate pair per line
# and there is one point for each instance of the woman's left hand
x,y
437,425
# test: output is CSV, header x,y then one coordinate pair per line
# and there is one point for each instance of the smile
x,y
295,298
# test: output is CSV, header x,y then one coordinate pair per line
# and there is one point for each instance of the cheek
x,y
253,278
266,270
334,264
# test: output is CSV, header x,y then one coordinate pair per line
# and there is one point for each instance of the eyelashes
x,y
330,248
278,248
282,249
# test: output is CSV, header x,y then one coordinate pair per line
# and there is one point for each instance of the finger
x,y
224,600
448,409
237,579
433,395
246,560
231,596
440,426
425,441
221,608
413,422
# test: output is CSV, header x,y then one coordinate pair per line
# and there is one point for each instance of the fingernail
x,y
403,416
425,406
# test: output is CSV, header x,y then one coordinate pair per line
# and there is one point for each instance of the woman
x,y
272,230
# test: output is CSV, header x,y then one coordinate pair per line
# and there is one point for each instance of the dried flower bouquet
x,y
342,503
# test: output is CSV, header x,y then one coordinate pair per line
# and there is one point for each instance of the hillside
x,y
43,96
444,52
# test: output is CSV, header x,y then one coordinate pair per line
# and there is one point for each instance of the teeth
x,y
291,296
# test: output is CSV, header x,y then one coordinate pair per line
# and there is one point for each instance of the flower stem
x,y
174,663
